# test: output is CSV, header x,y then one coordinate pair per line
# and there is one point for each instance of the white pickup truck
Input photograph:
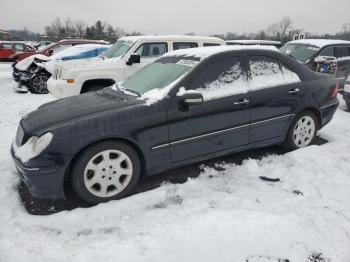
x,y
120,61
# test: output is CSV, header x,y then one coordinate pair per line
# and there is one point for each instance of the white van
x,y
120,61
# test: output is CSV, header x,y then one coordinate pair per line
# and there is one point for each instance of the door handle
x,y
294,91
242,102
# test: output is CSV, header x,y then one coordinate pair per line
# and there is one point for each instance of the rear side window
x,y
19,47
328,51
6,46
267,72
342,51
223,78
152,49
183,45
211,44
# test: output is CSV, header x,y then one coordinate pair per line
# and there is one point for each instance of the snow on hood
x,y
70,64
203,52
24,64
76,50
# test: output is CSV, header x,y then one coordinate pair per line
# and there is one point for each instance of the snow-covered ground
x,y
228,215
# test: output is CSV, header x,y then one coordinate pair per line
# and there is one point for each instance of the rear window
x,y
342,51
184,45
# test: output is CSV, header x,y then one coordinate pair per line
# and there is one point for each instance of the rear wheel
x,y
303,131
106,171
38,84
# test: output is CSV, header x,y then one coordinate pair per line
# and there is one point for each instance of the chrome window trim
x,y
218,132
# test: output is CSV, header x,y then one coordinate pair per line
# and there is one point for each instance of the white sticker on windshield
x,y
187,62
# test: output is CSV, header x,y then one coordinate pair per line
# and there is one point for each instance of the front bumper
x,y
60,89
42,182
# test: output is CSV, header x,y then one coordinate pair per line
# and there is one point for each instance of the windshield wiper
x,y
127,89
132,91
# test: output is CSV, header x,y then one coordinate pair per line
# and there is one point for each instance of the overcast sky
x,y
179,16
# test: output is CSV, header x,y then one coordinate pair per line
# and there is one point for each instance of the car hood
x,y
63,112
88,63
24,64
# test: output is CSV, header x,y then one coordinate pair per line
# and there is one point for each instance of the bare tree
x,y
80,28
279,30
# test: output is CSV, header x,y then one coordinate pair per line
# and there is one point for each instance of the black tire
x,y
77,175
290,143
38,84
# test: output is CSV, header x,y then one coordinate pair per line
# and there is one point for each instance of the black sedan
x,y
188,106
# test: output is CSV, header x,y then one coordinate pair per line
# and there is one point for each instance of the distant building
x,y
4,35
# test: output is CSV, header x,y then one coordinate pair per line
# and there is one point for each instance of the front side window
x,y
184,45
118,49
301,52
267,72
223,78
159,74
19,47
152,49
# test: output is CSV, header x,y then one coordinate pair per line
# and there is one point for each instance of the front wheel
x,y
106,171
303,131
38,84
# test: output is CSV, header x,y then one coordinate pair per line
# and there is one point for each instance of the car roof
x,y
204,52
83,40
319,42
172,38
253,42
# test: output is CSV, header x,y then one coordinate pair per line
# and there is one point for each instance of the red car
x,y
8,49
55,47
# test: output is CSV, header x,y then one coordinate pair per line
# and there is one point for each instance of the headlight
x,y
34,146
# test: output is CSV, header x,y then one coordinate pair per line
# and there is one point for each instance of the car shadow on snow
x,y
36,206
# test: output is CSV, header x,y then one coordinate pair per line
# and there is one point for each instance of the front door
x,y
221,122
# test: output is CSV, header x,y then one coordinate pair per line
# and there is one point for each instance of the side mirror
x,y
50,52
134,59
191,98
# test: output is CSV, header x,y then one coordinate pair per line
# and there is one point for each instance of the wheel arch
x,y
103,82
316,112
79,152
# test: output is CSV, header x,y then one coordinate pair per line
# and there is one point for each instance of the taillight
x,y
335,90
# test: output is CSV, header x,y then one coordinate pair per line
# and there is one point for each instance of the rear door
x,y
276,90
221,122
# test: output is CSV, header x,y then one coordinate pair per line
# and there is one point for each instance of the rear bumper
x,y
60,89
328,112
346,96
42,182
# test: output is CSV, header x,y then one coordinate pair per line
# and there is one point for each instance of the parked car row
x,y
9,49
34,71
166,101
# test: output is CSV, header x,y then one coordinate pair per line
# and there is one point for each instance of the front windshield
x,y
158,74
301,52
47,47
118,49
